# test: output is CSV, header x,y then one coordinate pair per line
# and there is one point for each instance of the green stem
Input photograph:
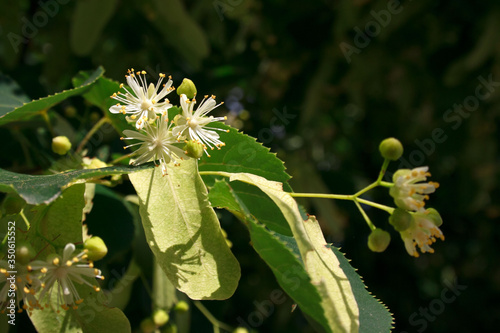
x,y
216,323
382,170
321,195
25,219
366,189
367,219
388,209
92,131
378,182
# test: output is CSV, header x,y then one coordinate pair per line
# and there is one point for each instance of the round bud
x,y
181,307
187,88
240,330
193,149
379,240
94,117
391,149
24,253
400,219
160,317
434,216
61,145
96,248
70,111
93,163
148,326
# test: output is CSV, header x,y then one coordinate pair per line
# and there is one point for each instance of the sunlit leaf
x,y
184,232
337,299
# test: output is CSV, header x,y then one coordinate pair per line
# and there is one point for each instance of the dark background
x,y
347,74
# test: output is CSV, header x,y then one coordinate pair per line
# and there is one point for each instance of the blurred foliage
x,y
282,72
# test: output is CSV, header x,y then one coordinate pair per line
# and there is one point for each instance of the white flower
x,y
156,144
26,286
192,126
408,191
423,232
143,103
60,273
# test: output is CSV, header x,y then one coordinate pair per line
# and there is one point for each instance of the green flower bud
x,y
400,219
240,330
193,149
181,307
160,317
148,326
61,145
96,248
70,111
391,149
94,117
434,216
93,163
379,240
187,88
24,253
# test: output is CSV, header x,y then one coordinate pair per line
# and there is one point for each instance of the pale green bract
x,y
184,233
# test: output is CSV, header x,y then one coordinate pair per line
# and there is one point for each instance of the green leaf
x,y
373,315
32,108
184,233
282,255
257,202
11,95
242,153
61,221
337,299
46,188
89,19
289,271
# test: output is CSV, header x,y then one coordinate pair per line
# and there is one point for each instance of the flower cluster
x,y
422,227
417,226
156,135
36,281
